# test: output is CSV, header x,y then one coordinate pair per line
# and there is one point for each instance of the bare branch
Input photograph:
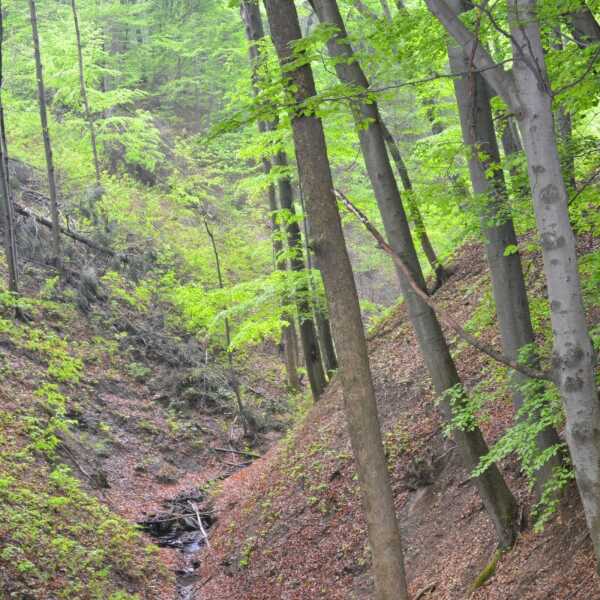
x,y
443,316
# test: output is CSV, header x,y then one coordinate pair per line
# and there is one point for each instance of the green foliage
x,y
55,536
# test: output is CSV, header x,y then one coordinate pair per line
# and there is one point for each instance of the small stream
x,y
183,525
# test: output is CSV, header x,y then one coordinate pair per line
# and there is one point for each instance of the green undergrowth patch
x,y
56,540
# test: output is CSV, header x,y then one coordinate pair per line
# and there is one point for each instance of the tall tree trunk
x,y
250,13
288,332
528,95
508,284
511,144
289,338
308,332
573,359
414,212
328,242
8,220
385,7
494,492
84,96
323,325
56,253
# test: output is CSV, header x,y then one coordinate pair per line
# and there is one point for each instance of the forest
x,y
299,299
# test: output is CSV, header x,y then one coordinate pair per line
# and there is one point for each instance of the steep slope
x,y
105,414
290,526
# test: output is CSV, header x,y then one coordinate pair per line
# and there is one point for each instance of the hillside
x,y
290,526
106,413
135,412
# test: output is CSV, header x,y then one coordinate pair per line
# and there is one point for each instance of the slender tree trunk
x,y
84,96
573,359
364,10
250,12
326,342
508,284
385,7
308,332
584,26
414,212
323,325
528,95
355,374
288,332
289,338
10,244
232,375
494,492
56,253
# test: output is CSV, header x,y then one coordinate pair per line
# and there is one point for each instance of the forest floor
x,y
290,526
147,412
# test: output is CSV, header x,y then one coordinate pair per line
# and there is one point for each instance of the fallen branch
x,y
175,517
237,465
241,452
202,530
75,236
443,316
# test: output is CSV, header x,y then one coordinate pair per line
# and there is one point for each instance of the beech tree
x,y
584,26
329,245
501,246
528,94
250,12
308,332
414,212
84,95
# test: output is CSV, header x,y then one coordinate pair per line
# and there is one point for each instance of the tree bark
x,y
329,245
385,7
495,494
511,144
321,319
84,96
564,126
584,26
508,284
10,244
250,13
56,252
414,212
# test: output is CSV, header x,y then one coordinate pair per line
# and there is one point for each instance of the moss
x,y
488,571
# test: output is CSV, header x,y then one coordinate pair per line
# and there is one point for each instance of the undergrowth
x,y
56,540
